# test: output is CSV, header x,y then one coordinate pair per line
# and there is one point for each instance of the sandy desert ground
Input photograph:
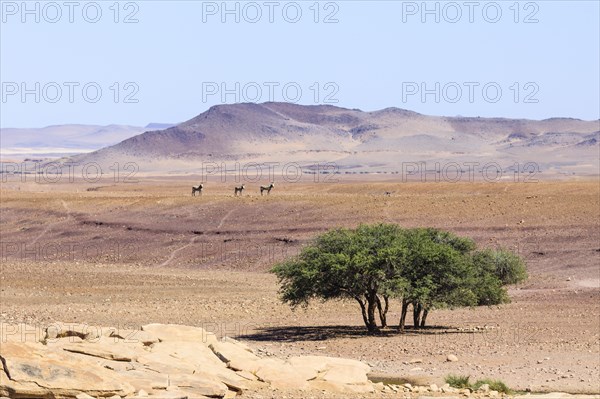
x,y
131,254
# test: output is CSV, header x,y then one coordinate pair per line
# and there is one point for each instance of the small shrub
x,y
458,381
495,385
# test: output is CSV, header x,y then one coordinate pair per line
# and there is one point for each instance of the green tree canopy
x,y
424,267
342,263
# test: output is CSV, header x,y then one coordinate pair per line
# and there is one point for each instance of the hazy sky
x,y
80,62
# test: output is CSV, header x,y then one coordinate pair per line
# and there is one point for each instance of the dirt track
x,y
130,254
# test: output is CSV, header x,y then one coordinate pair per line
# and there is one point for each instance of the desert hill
x,y
356,140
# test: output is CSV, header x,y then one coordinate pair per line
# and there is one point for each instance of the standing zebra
x,y
197,188
267,188
238,190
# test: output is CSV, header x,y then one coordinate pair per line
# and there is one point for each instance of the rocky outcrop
x,y
166,361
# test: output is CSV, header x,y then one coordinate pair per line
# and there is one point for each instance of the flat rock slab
x,y
190,352
236,357
349,374
21,332
57,371
187,361
180,333
199,384
146,380
105,349
282,375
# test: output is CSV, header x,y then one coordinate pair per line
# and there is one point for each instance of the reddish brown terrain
x,y
133,254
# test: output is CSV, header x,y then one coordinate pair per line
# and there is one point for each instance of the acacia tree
x,y
427,268
359,264
438,273
468,277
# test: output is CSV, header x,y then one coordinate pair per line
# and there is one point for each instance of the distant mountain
x,y
159,126
354,139
60,140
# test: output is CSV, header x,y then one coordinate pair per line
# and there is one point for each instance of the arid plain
x,y
137,253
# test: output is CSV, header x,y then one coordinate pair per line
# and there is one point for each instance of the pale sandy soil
x,y
131,254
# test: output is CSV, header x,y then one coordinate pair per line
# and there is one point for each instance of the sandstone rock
x,y
161,362
333,374
282,375
303,371
180,333
197,355
144,379
177,393
199,384
236,357
57,372
434,388
379,386
484,388
447,389
105,349
21,332
190,358
233,381
345,374
9,388
82,362
116,365
451,358
247,375
419,389
230,395
329,386
238,343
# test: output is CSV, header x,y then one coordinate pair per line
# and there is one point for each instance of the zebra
x,y
267,188
238,190
197,188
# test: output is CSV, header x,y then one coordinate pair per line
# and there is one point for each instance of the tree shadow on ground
x,y
322,333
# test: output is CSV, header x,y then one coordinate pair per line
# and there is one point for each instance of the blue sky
x,y
175,59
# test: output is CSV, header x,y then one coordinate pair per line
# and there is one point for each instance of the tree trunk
x,y
371,306
363,310
417,314
424,317
405,304
383,309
